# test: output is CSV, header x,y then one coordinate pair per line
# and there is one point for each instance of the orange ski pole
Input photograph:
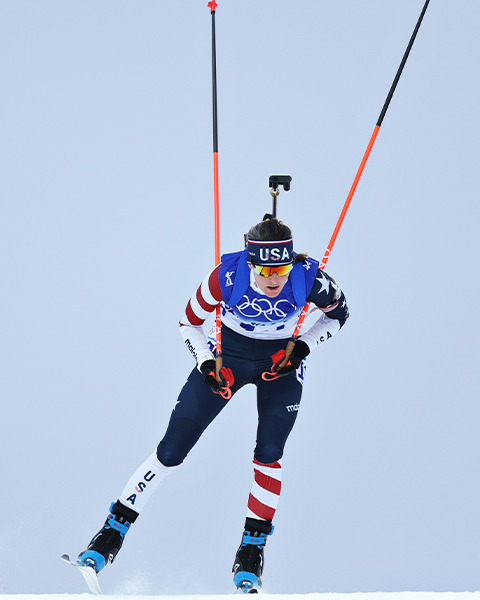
x,y
225,392
296,333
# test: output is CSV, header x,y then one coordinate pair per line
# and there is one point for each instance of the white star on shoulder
x,y
324,282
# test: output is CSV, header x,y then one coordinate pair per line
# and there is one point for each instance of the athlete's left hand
x,y
300,351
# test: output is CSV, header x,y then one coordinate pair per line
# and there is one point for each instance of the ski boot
x,y
248,566
105,546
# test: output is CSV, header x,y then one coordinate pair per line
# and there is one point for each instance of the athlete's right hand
x,y
208,369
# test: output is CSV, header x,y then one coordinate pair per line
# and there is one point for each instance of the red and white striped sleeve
x,y
203,302
199,307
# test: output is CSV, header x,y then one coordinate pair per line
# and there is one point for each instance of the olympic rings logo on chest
x,y
262,307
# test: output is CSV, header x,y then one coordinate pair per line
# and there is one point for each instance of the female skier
x,y
262,291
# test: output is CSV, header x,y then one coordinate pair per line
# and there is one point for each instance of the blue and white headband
x,y
263,252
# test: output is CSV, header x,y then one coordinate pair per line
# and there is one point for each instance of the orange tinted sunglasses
x,y
269,271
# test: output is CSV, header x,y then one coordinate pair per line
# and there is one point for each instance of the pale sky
x,y
107,229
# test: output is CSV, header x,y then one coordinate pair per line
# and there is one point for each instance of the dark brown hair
x,y
272,230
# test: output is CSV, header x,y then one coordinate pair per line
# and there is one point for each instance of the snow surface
x,y
327,596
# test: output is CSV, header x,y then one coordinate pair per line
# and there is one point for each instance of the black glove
x,y
208,369
300,352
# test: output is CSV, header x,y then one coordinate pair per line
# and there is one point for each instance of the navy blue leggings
x,y
277,401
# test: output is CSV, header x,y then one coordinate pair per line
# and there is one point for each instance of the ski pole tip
x,y
212,6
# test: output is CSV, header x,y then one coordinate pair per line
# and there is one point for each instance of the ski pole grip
x,y
218,368
288,354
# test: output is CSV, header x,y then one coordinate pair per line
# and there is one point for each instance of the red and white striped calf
x,y
265,492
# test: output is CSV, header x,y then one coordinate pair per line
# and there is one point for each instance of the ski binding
x,y
89,573
246,582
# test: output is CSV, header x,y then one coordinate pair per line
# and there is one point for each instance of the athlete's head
x,y
270,255
269,229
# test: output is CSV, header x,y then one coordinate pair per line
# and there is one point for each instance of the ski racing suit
x,y
254,327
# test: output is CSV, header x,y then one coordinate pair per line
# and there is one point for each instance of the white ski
x,y
89,574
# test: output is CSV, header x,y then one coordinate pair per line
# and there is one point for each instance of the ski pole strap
x,y
225,392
